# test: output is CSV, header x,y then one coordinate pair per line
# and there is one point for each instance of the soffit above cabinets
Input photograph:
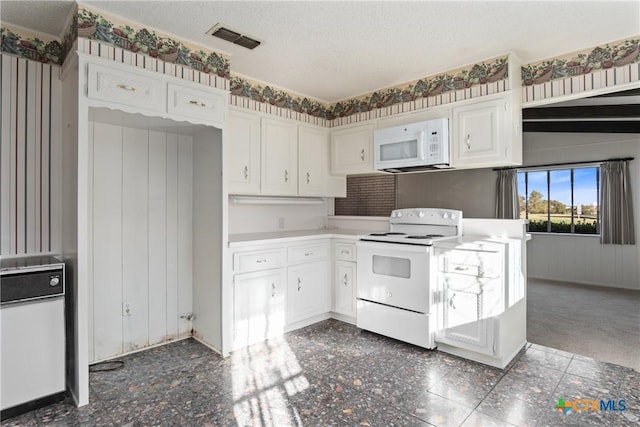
x,y
336,50
617,112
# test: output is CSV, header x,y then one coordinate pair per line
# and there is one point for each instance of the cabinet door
x,y
463,325
243,165
345,288
313,145
279,157
479,134
132,87
258,306
352,150
308,291
196,103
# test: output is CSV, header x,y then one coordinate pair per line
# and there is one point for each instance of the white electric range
x,y
397,274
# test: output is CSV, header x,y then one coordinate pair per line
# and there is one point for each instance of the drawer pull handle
x,y
308,254
197,103
460,268
362,154
345,252
345,279
273,290
246,173
260,261
127,87
299,284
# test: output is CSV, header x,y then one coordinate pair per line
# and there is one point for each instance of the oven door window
x,y
406,150
392,266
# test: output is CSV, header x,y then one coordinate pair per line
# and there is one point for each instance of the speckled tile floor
x,y
332,373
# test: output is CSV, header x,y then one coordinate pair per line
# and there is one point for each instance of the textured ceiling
x,y
335,50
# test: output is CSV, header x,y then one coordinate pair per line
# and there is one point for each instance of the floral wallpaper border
x,y
618,54
28,45
265,93
92,25
485,72
126,35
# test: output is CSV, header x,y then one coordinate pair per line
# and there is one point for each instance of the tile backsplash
x,y
368,195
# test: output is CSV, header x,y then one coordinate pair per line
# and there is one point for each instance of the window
x,y
560,200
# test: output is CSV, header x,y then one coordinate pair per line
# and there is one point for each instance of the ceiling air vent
x,y
233,36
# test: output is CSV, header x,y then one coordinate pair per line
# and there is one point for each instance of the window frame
x,y
563,167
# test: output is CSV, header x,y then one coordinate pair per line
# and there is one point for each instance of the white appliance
x,y
397,274
32,322
413,147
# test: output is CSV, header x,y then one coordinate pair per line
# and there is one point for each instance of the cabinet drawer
x,y
345,251
258,260
195,103
308,252
472,263
133,89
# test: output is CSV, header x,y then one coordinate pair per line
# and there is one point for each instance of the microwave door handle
x,y
421,145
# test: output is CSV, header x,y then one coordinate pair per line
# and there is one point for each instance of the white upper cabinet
x,y
195,103
132,90
352,150
313,144
243,161
279,157
131,87
486,133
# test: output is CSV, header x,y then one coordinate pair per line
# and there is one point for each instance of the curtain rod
x,y
564,164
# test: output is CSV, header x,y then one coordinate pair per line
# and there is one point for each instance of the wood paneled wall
x,y
29,157
142,238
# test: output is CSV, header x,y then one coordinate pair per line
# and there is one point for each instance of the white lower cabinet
x,y
475,320
463,325
308,291
345,288
259,306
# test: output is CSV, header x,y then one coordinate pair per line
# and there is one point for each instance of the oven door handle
x,y
387,247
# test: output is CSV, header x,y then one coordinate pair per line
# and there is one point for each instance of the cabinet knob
x,y
308,177
362,154
286,176
128,88
345,280
468,141
246,173
299,284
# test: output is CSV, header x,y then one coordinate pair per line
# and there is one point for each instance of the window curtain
x,y
616,204
507,194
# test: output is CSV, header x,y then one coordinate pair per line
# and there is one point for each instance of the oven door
x,y
397,275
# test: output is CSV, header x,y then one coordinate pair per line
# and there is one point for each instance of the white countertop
x,y
285,236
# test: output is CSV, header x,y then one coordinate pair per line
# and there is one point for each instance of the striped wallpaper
x,y
29,156
607,78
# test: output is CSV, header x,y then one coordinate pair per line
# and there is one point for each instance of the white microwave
x,y
413,147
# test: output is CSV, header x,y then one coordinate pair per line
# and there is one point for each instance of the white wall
x,y
30,144
208,237
141,184
582,259
257,218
